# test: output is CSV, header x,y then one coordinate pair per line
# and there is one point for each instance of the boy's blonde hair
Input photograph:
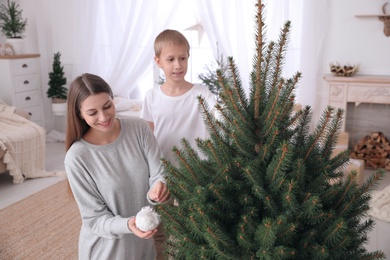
x,y
168,37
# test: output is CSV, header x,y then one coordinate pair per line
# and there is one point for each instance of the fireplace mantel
x,y
357,89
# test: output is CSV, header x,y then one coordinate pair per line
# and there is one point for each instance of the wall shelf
x,y
384,17
373,15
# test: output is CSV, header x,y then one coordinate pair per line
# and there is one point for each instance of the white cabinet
x,y
20,84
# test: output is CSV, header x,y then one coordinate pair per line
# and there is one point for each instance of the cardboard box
x,y
341,145
358,166
353,164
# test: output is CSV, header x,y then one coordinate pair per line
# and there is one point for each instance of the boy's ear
x,y
157,60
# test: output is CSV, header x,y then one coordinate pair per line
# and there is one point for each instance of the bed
x,y
22,145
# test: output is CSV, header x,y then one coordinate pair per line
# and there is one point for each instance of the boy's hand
x,y
159,192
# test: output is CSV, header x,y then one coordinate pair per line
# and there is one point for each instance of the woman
x,y
114,169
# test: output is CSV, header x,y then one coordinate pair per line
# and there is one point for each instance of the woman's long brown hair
x,y
81,88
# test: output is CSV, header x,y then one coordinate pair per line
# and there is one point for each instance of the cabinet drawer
x,y
24,66
28,98
26,82
35,113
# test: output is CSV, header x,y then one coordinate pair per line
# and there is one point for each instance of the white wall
x,y
355,40
349,39
358,40
43,18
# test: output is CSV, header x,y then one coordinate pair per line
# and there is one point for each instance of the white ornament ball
x,y
147,219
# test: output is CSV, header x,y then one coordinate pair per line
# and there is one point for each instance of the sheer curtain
x,y
122,50
305,48
277,13
116,40
314,29
229,25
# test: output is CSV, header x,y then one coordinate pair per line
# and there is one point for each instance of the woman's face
x,y
98,111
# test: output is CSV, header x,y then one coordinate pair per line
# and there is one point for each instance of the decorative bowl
x,y
343,70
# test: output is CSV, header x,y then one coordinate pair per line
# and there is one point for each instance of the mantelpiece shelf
x,y
19,56
378,79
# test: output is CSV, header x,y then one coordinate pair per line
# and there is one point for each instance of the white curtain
x,y
229,25
277,13
116,40
305,48
314,28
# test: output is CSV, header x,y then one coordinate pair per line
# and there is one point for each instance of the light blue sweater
x,y
110,184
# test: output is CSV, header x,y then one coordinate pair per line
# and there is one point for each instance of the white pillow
x,y
124,104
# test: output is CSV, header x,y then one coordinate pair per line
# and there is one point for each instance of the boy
x,y
172,109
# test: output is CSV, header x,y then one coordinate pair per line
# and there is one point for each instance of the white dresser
x,y
20,84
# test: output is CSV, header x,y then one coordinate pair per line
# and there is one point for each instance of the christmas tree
x,y
264,186
210,78
57,81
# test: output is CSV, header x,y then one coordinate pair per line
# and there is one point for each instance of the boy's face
x,y
173,60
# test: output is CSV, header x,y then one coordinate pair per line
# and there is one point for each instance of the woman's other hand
x,y
159,192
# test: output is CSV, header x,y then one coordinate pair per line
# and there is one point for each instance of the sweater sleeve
x,y
153,156
95,214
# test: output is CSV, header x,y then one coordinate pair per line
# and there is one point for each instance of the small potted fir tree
x,y
57,90
13,25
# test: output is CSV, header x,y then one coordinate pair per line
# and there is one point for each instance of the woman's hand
x,y
144,235
159,192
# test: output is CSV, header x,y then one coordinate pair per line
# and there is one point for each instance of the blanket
x,y
380,205
24,144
